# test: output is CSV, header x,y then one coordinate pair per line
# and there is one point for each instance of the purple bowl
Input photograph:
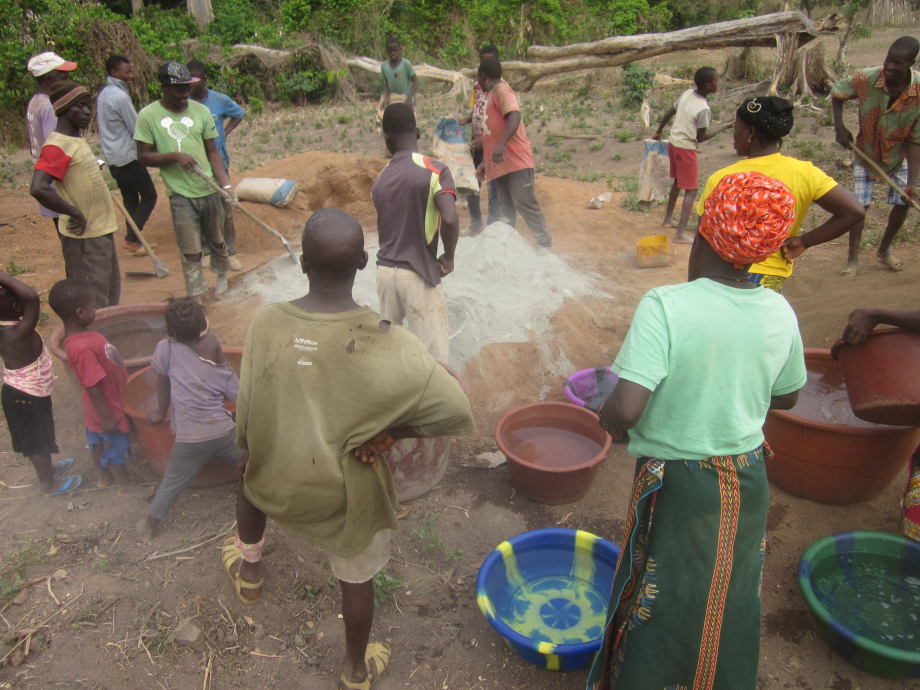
x,y
590,387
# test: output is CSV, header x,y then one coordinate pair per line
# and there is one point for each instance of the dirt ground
x,y
119,608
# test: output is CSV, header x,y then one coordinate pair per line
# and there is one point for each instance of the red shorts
x,y
684,167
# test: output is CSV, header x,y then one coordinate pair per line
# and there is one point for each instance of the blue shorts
x,y
115,447
863,187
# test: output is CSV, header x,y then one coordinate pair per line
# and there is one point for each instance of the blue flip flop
x,y
72,484
66,464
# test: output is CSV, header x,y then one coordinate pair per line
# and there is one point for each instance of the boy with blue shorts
x,y
103,376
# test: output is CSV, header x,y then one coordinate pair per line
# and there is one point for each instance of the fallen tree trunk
x,y
757,31
754,31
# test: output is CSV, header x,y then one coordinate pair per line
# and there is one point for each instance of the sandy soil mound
x,y
325,180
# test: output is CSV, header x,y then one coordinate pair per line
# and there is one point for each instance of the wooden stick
x,y
572,136
156,557
891,183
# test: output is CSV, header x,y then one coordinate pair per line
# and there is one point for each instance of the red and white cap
x,y
48,62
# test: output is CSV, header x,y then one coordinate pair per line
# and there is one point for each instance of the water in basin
x,y
550,443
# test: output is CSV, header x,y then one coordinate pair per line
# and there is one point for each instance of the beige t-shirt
x,y
313,387
79,182
692,113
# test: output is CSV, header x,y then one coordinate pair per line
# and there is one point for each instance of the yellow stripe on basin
x,y
584,567
512,573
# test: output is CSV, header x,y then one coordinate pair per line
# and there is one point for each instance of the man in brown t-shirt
x,y
416,203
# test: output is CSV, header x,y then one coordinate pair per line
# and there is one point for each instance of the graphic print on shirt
x,y
304,345
177,130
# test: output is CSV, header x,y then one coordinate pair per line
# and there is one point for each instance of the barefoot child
x,y
28,377
197,379
102,373
327,385
693,116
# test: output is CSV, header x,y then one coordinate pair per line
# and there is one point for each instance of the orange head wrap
x,y
747,217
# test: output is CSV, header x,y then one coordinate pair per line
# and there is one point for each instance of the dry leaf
x,y
249,620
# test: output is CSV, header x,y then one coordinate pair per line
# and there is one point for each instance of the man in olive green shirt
x,y
326,386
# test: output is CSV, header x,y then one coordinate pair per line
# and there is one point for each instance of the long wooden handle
x,y
891,183
226,197
137,232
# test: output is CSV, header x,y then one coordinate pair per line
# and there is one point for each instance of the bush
x,y
637,80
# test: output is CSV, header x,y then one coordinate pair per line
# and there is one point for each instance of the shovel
x,y
891,183
161,270
236,204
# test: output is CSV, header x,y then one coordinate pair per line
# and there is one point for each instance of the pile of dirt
x,y
325,180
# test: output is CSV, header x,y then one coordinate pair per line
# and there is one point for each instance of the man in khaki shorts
x,y
326,386
416,203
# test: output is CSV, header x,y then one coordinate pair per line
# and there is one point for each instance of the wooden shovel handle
x,y
891,183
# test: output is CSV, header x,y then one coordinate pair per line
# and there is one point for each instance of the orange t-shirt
x,y
518,154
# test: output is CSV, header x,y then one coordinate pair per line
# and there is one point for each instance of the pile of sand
x,y
501,291
325,180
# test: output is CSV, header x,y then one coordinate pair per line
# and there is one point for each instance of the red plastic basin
x,y
829,461
551,484
882,375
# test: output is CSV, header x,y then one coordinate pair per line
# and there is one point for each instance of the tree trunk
x,y
882,12
461,83
754,31
136,6
202,11
620,50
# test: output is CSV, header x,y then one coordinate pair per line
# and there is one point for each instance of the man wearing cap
x,y
79,195
47,68
889,134
117,118
176,134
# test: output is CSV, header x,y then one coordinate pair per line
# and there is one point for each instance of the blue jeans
x,y
115,447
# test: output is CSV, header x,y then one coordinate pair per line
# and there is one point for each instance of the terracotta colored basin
x,y
882,376
553,449
822,451
157,441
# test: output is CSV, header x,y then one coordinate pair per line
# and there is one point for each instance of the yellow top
x,y
805,181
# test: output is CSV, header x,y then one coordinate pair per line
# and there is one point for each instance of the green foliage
x,y
623,136
160,31
13,269
256,106
637,80
235,21
384,586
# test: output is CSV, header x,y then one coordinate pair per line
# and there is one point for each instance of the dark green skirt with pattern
x,y
685,605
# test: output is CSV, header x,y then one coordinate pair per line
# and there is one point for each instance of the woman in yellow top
x,y
760,125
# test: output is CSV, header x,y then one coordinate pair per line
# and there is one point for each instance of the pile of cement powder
x,y
502,290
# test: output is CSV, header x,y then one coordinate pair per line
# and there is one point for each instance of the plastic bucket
x,y
653,251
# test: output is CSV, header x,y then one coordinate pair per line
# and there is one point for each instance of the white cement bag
x,y
264,190
452,149
654,172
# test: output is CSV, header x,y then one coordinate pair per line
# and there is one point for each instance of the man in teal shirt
x,y
398,75
176,134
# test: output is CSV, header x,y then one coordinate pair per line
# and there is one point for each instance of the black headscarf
x,y
768,114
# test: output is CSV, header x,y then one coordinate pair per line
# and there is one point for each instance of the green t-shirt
x,y
399,80
183,132
313,387
712,355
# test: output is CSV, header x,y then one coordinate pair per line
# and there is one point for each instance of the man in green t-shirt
x,y
325,387
398,75
175,134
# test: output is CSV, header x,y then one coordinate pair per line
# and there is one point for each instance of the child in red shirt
x,y
102,373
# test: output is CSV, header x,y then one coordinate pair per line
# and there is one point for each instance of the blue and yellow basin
x,y
546,592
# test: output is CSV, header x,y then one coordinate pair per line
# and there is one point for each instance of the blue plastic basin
x,y
546,592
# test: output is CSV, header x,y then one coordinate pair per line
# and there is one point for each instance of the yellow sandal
x,y
231,554
380,653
